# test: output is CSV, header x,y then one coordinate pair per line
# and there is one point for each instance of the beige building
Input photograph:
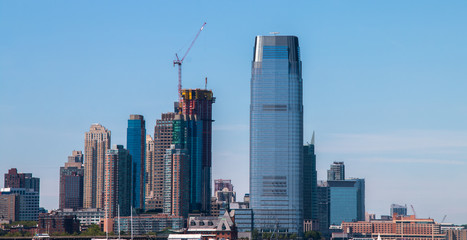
x,y
150,148
163,135
96,144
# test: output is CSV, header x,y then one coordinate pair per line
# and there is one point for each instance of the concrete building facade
x,y
96,144
163,135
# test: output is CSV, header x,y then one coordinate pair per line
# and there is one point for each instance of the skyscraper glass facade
x,y
310,200
187,134
347,200
136,143
276,135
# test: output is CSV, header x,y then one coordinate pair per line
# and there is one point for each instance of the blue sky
x,y
384,85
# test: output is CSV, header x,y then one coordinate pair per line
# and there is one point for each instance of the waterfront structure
x,y
28,202
72,182
176,182
195,121
51,223
220,184
136,144
276,135
221,227
96,144
347,200
336,172
398,209
144,224
13,179
401,227
86,216
9,210
310,198
149,172
118,169
163,134
323,207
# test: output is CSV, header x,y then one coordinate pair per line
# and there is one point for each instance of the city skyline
x,y
383,91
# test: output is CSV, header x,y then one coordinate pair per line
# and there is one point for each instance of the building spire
x,y
313,138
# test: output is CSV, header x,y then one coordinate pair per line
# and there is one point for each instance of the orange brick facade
x,y
402,227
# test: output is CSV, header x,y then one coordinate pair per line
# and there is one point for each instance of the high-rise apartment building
x,y
196,107
149,171
136,144
163,134
118,185
347,200
176,182
187,135
13,179
336,172
276,135
96,144
72,182
310,200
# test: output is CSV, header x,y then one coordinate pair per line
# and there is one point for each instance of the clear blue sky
x,y
384,85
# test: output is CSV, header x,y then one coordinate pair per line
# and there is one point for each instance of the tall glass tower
x,y
136,144
276,135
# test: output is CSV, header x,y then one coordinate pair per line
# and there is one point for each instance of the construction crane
x,y
444,218
413,210
179,62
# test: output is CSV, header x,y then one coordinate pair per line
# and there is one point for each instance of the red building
x,y
401,227
52,223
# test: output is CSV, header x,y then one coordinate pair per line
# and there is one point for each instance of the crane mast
x,y
179,62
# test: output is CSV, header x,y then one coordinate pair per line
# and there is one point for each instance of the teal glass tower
x,y
347,200
136,144
276,135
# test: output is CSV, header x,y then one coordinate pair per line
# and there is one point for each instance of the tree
x,y
315,235
255,234
93,230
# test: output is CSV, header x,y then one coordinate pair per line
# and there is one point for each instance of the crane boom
x,y
179,62
413,210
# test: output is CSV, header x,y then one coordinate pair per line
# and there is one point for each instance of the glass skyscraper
x,y
347,198
310,198
276,135
136,144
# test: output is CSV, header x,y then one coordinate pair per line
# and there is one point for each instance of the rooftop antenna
x,y
206,83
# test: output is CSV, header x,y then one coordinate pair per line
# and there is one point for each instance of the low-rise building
x,y
9,211
401,227
456,234
223,227
85,216
144,224
52,223
28,202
